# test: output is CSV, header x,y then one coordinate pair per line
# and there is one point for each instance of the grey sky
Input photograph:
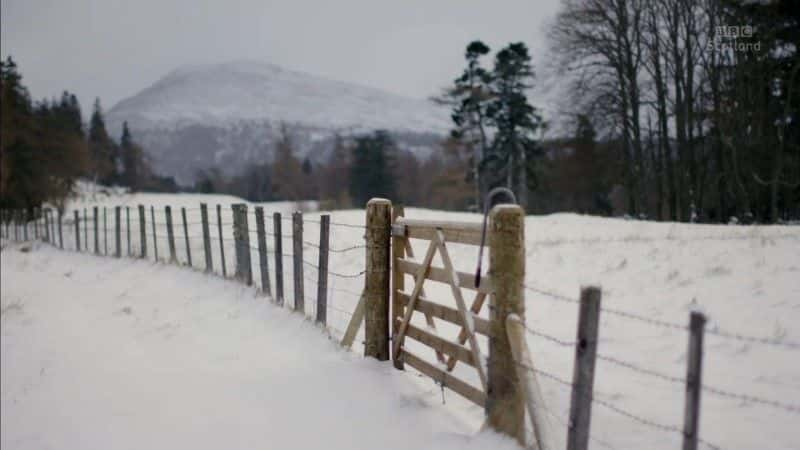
x,y
114,48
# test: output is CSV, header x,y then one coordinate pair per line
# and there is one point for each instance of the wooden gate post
x,y
376,283
221,241
206,237
694,381
398,279
276,225
263,261
297,258
322,275
155,237
505,405
580,411
170,234
96,230
186,236
142,233
117,231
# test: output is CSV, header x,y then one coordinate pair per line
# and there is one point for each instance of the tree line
x,y
45,148
697,99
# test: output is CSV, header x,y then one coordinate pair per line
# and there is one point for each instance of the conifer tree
x,y
371,174
102,149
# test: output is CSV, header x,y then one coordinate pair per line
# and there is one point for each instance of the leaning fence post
x,y
155,237
276,225
694,381
77,230
376,283
206,237
505,406
105,231
142,233
297,259
580,413
118,231
60,230
262,251
186,235
322,275
96,230
170,234
221,241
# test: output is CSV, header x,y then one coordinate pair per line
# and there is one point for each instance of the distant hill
x,y
228,115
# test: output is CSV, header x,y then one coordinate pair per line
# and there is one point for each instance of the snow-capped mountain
x,y
228,115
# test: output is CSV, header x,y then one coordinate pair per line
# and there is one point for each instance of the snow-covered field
x,y
117,352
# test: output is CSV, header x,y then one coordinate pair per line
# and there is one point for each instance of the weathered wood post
x,y
297,259
46,236
128,227
505,407
77,230
96,215
155,237
694,381
322,275
263,261
170,234
186,236
376,283
118,231
241,236
221,241
86,229
580,412
105,231
25,224
206,238
60,229
53,225
35,224
142,233
276,225
398,278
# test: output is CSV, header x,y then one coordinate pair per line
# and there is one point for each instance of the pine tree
x,y
514,149
371,174
134,168
102,149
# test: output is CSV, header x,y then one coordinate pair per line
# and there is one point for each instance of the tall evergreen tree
x,y
102,149
134,169
515,148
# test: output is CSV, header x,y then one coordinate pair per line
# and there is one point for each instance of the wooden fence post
x,y
398,280
221,241
241,236
694,381
580,412
142,233
128,227
96,216
77,230
297,258
262,251
25,223
35,224
60,230
170,234
46,216
505,406
155,237
53,225
376,283
322,275
186,235
105,231
276,225
118,231
86,229
206,237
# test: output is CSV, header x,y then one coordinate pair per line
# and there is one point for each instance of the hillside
x,y
227,115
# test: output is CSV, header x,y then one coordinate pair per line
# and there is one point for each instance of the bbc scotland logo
x,y
733,38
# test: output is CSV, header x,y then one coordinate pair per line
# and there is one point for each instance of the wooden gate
x,y
406,303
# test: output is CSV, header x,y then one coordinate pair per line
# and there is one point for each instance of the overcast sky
x,y
115,48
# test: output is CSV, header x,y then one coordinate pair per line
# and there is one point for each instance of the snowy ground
x,y
745,278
